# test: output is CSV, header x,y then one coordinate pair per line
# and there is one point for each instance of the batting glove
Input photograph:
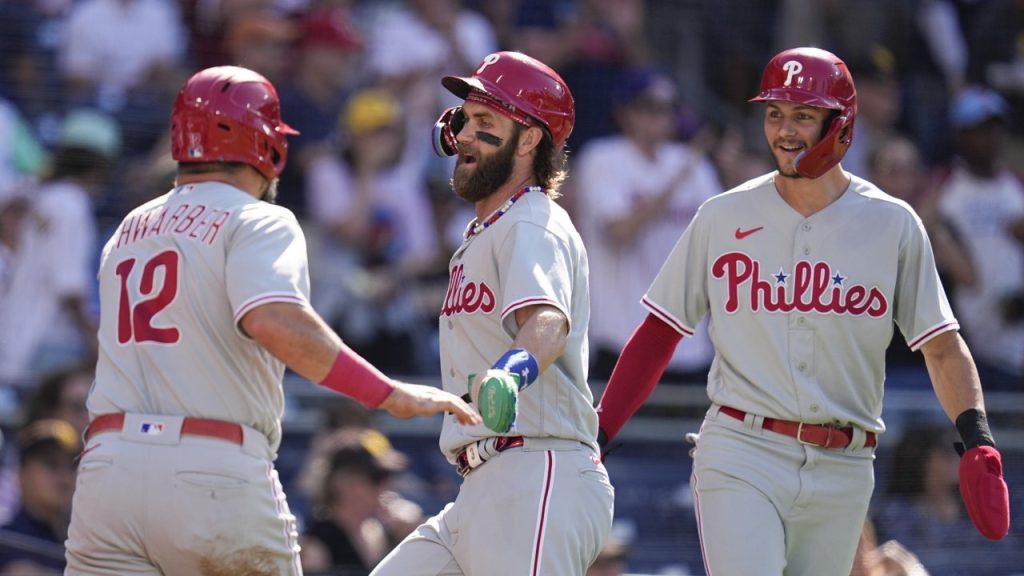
x,y
984,491
982,486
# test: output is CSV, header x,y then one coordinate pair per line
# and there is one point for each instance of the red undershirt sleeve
x,y
641,364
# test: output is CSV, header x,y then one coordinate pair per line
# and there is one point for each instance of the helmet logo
x,y
792,68
195,149
490,59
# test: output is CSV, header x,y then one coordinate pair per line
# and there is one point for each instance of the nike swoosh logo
x,y
741,234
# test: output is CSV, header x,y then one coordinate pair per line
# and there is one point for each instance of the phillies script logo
x,y
815,288
466,297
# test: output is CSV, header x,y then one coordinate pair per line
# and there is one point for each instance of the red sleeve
x,y
641,364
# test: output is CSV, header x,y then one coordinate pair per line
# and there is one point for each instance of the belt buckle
x,y
800,434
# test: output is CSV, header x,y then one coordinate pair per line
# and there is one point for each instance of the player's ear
x,y
529,138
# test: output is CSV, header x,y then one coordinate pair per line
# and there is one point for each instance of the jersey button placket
x,y
803,235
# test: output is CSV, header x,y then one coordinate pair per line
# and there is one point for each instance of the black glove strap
x,y
974,431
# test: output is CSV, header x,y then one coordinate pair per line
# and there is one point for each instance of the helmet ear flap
x,y
830,149
446,130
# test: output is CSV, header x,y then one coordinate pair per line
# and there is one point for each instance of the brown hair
x,y
550,165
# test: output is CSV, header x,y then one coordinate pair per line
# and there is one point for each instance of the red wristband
x,y
353,376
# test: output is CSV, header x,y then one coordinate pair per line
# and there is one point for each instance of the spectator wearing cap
x,y
357,518
32,542
376,235
325,73
637,190
984,203
44,319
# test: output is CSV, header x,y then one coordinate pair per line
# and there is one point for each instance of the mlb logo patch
x,y
152,428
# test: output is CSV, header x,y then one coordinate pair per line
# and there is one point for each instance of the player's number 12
x,y
135,320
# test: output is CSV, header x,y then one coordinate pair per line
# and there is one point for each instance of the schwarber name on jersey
x,y
531,255
800,306
222,252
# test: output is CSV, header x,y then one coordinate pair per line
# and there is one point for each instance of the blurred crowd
x,y
662,124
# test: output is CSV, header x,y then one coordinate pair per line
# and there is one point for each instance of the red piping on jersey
x,y
940,328
278,499
700,524
545,501
666,318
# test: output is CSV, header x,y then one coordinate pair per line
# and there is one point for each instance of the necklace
x,y
475,227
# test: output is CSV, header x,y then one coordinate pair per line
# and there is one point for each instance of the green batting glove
x,y
499,394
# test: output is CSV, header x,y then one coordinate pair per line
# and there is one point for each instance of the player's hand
x,y
496,394
603,443
984,491
410,400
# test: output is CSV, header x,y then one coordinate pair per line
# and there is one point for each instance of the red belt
x,y
822,435
464,464
229,431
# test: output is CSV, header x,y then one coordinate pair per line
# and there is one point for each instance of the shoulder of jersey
x,y
538,210
876,195
740,195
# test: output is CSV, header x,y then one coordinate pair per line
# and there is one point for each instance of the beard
x,y
489,175
270,194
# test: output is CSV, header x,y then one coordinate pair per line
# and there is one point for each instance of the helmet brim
x,y
461,85
800,96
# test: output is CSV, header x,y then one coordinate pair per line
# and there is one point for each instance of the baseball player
x,y
535,498
203,302
803,271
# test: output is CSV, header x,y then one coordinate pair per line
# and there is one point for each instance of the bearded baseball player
x,y
535,498
204,299
803,272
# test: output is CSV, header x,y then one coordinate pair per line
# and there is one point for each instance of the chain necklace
x,y
475,227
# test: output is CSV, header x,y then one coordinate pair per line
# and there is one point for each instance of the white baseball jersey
x,y
175,278
802,309
981,211
614,175
531,255
54,260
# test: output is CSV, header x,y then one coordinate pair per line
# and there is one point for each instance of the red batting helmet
x,y
230,114
521,85
817,78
